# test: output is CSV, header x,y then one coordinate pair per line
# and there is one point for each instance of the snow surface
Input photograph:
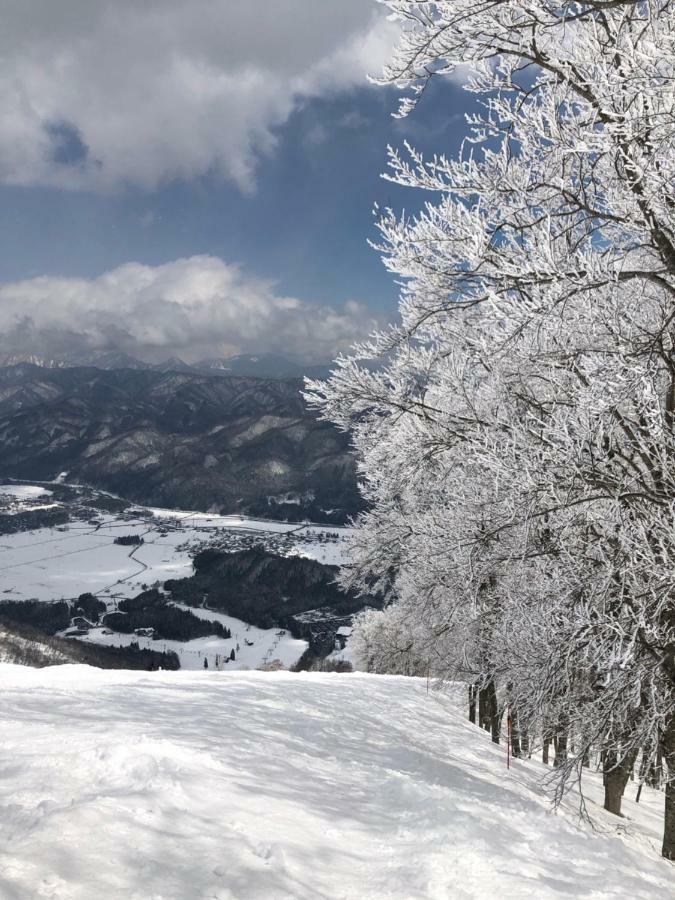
x,y
63,562
23,491
66,561
253,786
213,520
271,646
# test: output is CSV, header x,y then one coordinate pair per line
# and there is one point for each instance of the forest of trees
x,y
517,441
150,609
247,584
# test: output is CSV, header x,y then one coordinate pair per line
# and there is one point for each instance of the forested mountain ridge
x,y
178,439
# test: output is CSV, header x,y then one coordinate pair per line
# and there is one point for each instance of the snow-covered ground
x,y
254,648
54,563
212,520
252,786
65,561
68,560
23,491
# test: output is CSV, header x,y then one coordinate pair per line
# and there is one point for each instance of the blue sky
x,y
275,196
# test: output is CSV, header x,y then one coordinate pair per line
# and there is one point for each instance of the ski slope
x,y
254,786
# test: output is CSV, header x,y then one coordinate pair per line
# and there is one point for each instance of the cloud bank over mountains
x,y
98,95
193,308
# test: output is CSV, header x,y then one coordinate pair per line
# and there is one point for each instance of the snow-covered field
x,y
254,647
54,563
63,562
23,491
252,786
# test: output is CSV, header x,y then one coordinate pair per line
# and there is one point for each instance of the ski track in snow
x,y
253,786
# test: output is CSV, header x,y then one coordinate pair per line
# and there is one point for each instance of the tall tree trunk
x,y
483,717
560,738
646,767
668,849
586,762
472,704
616,773
525,744
515,735
546,743
666,751
489,714
655,771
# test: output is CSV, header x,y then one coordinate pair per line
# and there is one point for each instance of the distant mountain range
x,y
177,438
263,365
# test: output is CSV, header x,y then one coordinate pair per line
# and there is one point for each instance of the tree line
x,y
516,438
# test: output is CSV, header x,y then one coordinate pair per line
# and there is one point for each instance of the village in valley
x,y
68,544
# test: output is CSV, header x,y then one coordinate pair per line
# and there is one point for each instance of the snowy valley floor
x,y
253,786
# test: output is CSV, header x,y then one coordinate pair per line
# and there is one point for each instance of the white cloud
x,y
164,89
193,308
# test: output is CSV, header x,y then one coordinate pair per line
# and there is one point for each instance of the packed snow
x,y
253,786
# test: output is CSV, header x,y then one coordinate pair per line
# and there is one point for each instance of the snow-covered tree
x,y
517,443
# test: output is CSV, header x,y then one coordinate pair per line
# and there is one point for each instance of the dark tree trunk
x,y
488,710
654,772
525,744
496,727
546,743
615,777
515,735
560,746
472,704
483,718
646,764
668,849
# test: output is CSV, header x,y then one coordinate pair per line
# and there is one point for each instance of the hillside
x,y
271,590
255,786
177,439
23,645
25,649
